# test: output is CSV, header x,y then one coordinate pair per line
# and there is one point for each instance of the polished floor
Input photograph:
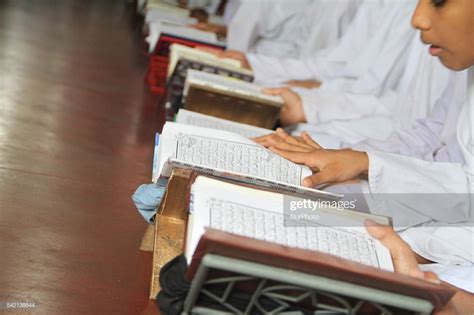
x,y
76,139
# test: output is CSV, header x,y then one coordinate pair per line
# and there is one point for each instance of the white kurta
x,y
267,26
351,55
453,182
230,9
210,6
433,138
381,105
324,23
434,198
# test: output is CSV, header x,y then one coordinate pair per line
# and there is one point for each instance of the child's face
x,y
448,26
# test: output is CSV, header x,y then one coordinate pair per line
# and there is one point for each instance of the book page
x,y
260,215
156,155
200,120
227,152
227,84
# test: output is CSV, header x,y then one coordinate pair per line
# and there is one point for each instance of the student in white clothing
x,y
430,200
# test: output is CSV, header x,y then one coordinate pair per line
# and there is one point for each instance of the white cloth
x,y
267,26
452,248
450,185
459,276
381,105
323,24
352,55
210,6
443,220
433,138
230,9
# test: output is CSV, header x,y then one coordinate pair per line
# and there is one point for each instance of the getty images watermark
x,y
307,212
16,305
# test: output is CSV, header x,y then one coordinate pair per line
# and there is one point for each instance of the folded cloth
x,y
147,198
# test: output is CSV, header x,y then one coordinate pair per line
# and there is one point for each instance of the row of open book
x,y
244,191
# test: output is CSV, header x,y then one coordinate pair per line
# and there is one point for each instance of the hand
x,y
404,259
237,55
282,140
220,30
306,84
292,111
329,166
231,54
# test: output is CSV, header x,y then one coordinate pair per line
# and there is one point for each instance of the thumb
x,y
275,91
431,277
375,230
318,178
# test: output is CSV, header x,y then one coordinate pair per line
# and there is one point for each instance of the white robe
x,y
267,26
429,190
377,109
434,199
450,184
210,6
230,9
352,55
324,23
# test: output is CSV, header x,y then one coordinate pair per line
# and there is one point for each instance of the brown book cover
x,y
315,263
232,106
170,224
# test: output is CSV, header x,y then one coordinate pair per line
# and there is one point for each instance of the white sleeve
x,y
442,243
270,70
322,106
420,140
413,191
242,30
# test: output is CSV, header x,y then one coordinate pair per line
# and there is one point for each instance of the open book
x,y
229,155
178,51
187,117
244,222
228,85
183,58
265,216
231,99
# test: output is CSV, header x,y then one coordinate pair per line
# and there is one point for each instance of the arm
x,y
418,190
425,138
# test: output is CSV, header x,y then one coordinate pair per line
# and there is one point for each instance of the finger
x,y
318,178
228,54
274,91
296,157
306,137
261,138
290,139
262,142
431,277
403,257
376,230
292,147
213,51
273,141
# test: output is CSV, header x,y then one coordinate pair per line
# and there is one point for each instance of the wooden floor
x,y
76,139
